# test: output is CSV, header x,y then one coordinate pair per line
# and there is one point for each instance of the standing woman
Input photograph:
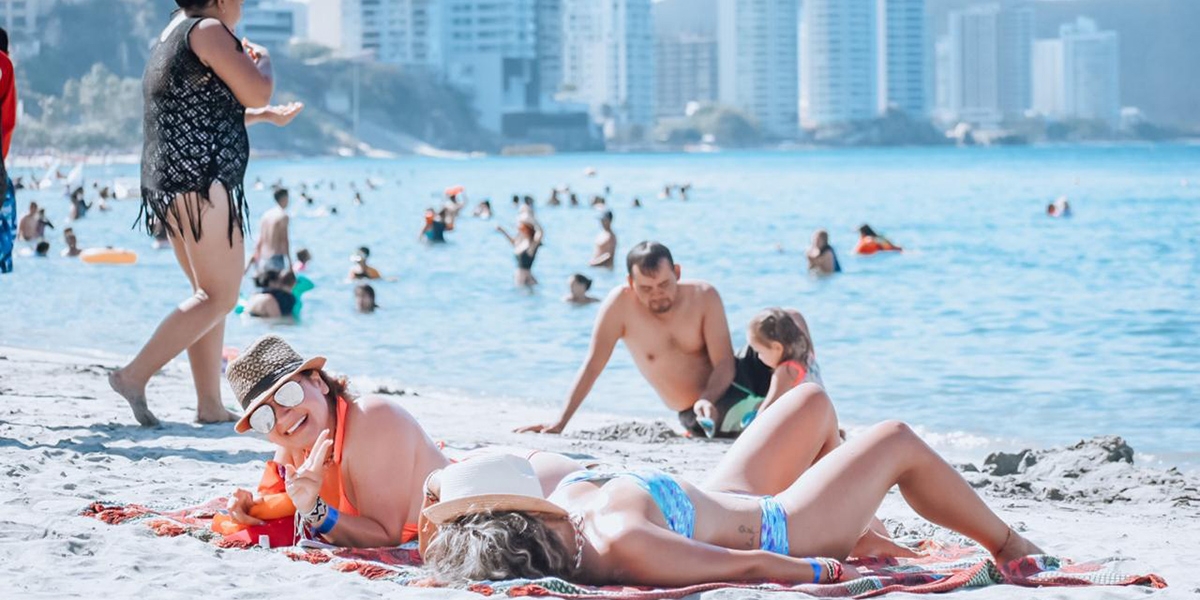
x,y
198,84
525,246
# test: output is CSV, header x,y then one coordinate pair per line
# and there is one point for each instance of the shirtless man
x,y
28,229
679,338
606,243
273,250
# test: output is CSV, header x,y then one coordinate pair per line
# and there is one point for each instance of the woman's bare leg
x,y
833,502
780,445
217,270
204,356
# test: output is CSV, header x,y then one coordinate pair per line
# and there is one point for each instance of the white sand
x,y
66,440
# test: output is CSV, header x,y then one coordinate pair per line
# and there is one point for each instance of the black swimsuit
x,y
285,299
195,135
525,259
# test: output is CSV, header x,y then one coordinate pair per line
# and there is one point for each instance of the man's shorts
x,y
751,382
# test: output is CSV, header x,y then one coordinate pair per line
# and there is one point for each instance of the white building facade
x,y
839,59
902,70
1091,72
1047,72
608,63
273,23
989,62
758,62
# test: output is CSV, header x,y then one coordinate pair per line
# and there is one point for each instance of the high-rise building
x,y
838,62
608,62
902,50
1091,75
757,62
1048,78
21,16
549,46
686,65
401,32
273,23
685,50
989,62
20,19
489,49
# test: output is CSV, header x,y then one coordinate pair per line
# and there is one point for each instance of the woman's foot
x,y
874,544
1014,548
135,395
215,414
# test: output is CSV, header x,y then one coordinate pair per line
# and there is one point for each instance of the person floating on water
x,y
870,242
72,248
579,284
489,519
434,231
274,298
678,336
303,258
364,298
1059,208
361,270
606,243
483,210
821,257
525,248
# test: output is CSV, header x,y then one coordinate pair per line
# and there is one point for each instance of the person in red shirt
x,y
8,122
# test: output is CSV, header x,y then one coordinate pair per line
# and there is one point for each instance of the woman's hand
x,y
254,51
304,484
282,114
239,506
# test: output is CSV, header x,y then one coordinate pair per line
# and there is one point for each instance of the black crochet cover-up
x,y
195,134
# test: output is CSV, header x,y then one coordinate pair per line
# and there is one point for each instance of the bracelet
x,y
331,519
835,570
318,513
816,567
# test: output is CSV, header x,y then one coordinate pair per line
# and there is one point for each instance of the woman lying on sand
x,y
365,490
650,528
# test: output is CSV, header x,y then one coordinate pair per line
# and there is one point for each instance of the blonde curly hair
x,y
497,546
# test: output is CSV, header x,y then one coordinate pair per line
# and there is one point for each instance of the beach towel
x,y
942,568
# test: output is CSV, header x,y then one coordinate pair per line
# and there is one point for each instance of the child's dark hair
x,y
776,325
280,194
583,280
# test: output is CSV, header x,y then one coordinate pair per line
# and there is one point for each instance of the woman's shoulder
x,y
381,413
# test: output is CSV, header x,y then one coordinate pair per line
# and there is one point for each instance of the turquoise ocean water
x,y
999,327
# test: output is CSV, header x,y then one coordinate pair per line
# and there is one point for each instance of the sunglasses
x,y
289,395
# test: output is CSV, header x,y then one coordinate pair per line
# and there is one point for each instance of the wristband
x,y
331,519
317,514
816,567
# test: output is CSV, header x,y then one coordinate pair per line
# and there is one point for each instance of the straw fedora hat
x,y
264,366
494,483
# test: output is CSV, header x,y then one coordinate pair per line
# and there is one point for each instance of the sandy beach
x,y
66,440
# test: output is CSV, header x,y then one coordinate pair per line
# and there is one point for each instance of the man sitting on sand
x,y
679,338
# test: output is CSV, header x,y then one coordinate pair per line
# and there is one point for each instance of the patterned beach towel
x,y
942,568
